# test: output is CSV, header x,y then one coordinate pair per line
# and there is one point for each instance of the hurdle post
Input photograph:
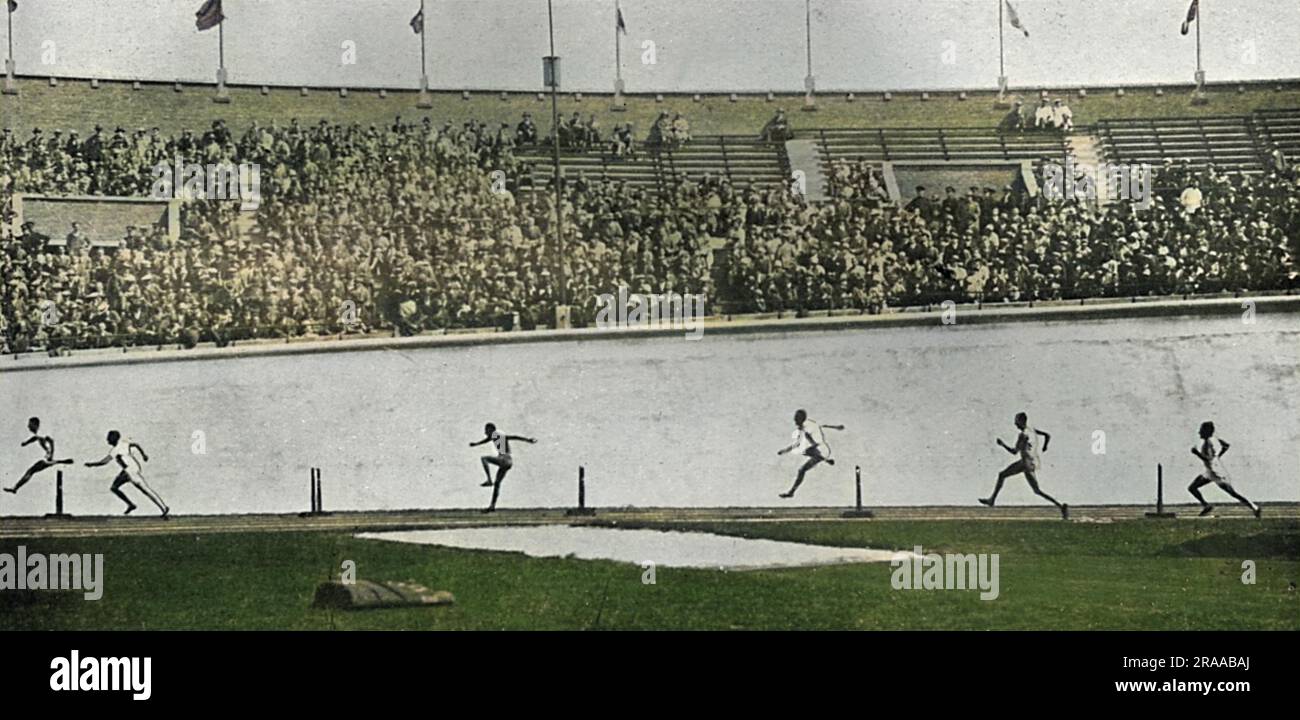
x,y
317,506
582,510
1160,496
58,498
858,511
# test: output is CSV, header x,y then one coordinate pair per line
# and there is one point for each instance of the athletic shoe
x,y
11,491
1258,510
485,511
787,495
986,501
485,484
166,512
128,510
1065,511
1208,509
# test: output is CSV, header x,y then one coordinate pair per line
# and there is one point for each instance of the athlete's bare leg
x,y
121,480
488,462
1032,478
1240,498
813,461
1195,490
496,488
1011,470
36,467
152,495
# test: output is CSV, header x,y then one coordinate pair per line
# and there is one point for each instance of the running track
x,y
353,522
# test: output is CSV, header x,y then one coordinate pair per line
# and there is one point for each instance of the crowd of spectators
x,y
995,246
410,227
856,180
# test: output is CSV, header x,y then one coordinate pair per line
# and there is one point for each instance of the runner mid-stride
x,y
47,454
129,471
811,441
502,460
1026,447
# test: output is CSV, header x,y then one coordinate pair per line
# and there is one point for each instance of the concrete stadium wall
x,y
74,104
1050,311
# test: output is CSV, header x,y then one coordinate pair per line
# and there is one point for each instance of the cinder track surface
x,y
349,522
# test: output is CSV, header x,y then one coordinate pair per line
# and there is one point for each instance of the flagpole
x,y
619,104
809,84
1002,62
222,96
555,137
1198,97
1199,16
424,100
10,88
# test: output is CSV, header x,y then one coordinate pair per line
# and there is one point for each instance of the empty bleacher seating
x,y
745,161
1278,130
1227,142
937,144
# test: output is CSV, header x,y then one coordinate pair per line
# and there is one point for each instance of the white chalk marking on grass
x,y
665,548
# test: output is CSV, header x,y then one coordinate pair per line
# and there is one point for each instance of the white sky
x,y
701,45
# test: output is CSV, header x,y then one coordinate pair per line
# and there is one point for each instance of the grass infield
x,y
1129,575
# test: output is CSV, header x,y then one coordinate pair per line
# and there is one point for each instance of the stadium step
x,y
1087,153
804,157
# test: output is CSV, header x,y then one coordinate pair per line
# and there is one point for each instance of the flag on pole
x,y
209,16
620,26
417,22
1015,19
1191,16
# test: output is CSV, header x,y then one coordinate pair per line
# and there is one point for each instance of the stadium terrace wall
x,y
1272,84
75,104
822,321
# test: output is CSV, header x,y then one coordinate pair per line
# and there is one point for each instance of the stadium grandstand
x,y
429,224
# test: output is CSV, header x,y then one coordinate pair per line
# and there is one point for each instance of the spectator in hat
x,y
76,239
1014,120
681,130
1043,118
777,128
1062,117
